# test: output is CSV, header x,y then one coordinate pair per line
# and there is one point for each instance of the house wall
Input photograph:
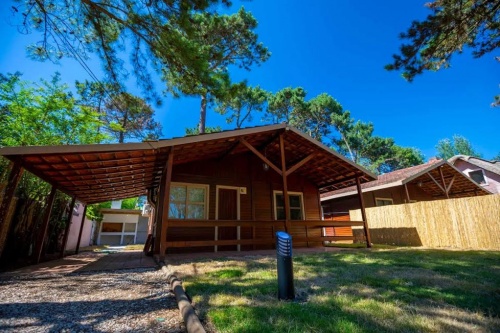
x,y
142,229
243,170
123,216
492,179
343,205
74,230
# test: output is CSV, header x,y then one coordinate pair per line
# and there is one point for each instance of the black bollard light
x,y
286,290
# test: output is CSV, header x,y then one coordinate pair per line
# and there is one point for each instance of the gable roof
x,y
427,176
102,172
492,166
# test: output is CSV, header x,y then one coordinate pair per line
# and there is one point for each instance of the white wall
x,y
74,230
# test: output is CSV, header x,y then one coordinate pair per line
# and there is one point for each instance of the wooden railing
x,y
301,231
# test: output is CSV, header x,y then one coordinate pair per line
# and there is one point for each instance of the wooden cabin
x,y
213,192
434,180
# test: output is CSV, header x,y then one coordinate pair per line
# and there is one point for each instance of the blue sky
x,y
338,47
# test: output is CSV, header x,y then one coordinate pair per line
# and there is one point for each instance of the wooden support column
x,y
286,202
407,194
363,213
45,226
442,180
15,174
68,225
81,230
157,218
166,205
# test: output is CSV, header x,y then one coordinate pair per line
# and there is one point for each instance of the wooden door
x,y
227,210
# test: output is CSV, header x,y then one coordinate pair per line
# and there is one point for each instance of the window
x,y
478,177
188,201
383,202
295,200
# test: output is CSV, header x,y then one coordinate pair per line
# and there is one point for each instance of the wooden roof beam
x,y
300,163
262,157
436,182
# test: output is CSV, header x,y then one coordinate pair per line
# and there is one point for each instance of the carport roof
x,y
102,172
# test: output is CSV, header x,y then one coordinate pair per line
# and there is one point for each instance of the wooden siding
x,y
247,171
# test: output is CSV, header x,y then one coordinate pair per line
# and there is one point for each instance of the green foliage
x,y
241,103
220,41
123,115
130,203
43,114
287,105
452,25
157,35
496,158
458,145
196,130
93,212
323,118
130,117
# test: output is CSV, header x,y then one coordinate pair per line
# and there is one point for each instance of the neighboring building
x,y
74,230
485,173
209,192
418,183
122,227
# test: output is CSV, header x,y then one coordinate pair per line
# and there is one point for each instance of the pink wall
x,y
74,230
492,179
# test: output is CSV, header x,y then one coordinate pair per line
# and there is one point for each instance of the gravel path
x,y
134,300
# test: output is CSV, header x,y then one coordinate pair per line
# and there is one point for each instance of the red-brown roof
x,y
97,173
418,174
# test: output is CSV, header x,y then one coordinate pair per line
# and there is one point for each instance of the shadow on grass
x,y
370,291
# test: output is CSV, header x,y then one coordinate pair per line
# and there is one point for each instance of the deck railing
x,y
301,231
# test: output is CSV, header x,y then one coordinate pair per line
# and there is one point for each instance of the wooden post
x,y
407,194
286,202
442,180
68,225
157,218
45,226
15,174
363,213
166,205
81,230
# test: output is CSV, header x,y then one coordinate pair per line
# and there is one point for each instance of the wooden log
x,y
68,225
5,219
42,233
81,230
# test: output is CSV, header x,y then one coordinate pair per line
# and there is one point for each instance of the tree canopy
x,y
452,26
324,119
155,35
457,145
241,103
123,115
223,41
45,113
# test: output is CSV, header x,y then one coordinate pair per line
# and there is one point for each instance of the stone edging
x,y
191,320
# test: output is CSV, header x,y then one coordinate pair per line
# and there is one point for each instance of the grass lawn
x,y
385,290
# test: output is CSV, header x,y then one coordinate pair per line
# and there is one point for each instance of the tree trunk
x,y
203,114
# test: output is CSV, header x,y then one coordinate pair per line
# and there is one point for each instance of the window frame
x,y
385,199
484,176
206,187
275,207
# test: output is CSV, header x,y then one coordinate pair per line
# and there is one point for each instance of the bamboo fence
x,y
465,223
